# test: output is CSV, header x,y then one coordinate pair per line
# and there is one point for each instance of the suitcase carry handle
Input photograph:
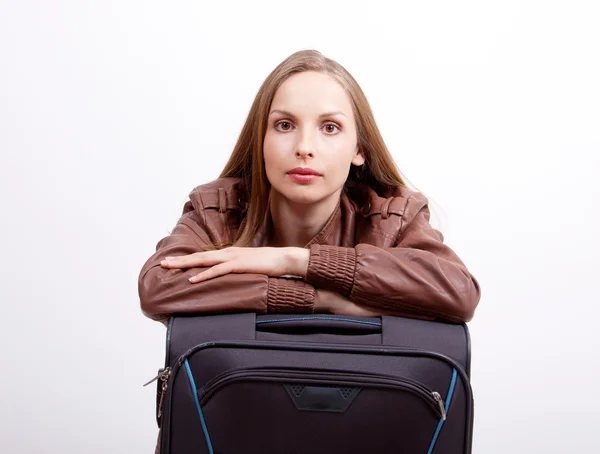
x,y
331,324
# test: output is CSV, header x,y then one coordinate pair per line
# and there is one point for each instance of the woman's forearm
x,y
335,303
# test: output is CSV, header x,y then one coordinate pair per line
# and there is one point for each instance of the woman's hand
x,y
334,303
272,261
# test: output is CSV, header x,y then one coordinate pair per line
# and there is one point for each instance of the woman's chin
x,y
309,194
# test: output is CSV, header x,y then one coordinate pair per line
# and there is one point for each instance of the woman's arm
x,y
333,303
165,291
420,276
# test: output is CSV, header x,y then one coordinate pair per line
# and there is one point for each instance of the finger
x,y
208,258
215,271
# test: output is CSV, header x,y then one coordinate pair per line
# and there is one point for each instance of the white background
x,y
112,111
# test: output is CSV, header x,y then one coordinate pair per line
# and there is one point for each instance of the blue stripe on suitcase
x,y
447,406
195,393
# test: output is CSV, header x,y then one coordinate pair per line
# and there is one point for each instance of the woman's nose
x,y
302,153
306,147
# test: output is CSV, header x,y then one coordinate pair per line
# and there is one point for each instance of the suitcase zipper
x,y
432,398
440,402
164,377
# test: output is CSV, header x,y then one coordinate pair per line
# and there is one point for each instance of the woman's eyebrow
x,y
289,114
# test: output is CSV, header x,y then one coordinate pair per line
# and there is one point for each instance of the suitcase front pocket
x,y
323,390
267,411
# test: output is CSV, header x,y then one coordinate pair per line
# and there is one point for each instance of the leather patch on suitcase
x,y
321,398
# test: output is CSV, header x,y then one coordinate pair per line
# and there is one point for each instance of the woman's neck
x,y
296,224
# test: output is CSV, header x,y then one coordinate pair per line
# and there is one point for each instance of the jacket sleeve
x,y
419,277
164,292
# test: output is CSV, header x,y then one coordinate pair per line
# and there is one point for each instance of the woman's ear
x,y
359,157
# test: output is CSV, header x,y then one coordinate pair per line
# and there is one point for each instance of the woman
x,y
309,215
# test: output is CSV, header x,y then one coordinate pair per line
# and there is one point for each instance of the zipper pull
x,y
163,390
160,375
440,403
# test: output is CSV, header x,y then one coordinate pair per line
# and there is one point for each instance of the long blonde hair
x,y
246,161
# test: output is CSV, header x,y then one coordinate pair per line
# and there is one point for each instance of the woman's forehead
x,y
312,93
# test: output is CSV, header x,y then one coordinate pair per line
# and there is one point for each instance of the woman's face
x,y
311,139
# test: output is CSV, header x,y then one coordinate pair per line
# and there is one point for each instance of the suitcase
x,y
314,384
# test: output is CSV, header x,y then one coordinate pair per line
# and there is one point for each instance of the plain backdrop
x,y
112,111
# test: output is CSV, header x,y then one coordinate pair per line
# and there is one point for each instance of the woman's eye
x,y
331,128
284,125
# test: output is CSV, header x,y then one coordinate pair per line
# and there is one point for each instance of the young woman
x,y
309,215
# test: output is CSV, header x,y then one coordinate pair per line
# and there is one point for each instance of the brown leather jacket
x,y
381,253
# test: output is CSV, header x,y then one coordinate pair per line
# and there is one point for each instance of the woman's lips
x,y
303,174
303,178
